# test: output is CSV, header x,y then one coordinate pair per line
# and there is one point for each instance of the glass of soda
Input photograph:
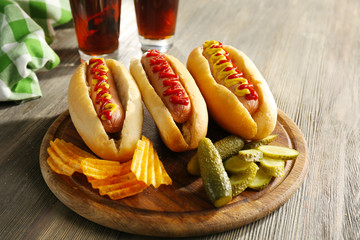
x,y
97,27
156,21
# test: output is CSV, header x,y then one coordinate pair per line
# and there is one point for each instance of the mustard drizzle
x,y
221,63
98,68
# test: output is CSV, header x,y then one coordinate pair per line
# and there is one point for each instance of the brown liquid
x,y
156,19
97,25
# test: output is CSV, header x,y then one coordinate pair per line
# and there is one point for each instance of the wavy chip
x,y
67,156
121,185
147,166
109,177
100,169
125,172
63,160
58,166
74,149
128,191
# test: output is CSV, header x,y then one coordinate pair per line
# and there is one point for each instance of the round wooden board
x,y
181,209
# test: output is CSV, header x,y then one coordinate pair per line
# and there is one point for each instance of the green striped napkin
x,y
26,29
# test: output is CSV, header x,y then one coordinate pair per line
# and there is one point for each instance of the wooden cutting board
x,y
183,208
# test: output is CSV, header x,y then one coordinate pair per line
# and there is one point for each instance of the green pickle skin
x,y
227,147
215,179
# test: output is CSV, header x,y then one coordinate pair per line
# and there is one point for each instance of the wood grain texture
x,y
309,53
182,209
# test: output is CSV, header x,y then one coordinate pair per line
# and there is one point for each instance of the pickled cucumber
x,y
278,152
250,155
241,180
215,179
256,144
193,166
235,164
261,180
227,147
273,167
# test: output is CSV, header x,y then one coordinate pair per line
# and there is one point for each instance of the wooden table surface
x,y
309,53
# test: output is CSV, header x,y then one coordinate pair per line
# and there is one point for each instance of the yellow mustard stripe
x,y
210,43
216,59
230,82
241,92
106,96
95,81
105,84
219,69
103,67
110,106
94,63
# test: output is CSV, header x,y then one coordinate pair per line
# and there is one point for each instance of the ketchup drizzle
x,y
99,73
170,79
250,96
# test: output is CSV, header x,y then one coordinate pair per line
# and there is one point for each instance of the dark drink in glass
x,y
156,21
97,26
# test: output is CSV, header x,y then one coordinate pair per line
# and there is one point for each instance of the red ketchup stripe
x,y
105,112
161,67
236,75
100,76
253,94
170,79
100,98
168,75
99,85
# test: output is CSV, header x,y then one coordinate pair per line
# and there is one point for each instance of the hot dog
x,y
172,98
105,106
104,96
167,85
237,96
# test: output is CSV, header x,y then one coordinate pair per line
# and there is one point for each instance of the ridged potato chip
x,y
147,166
100,169
67,156
60,167
122,185
109,177
128,191
62,160
74,149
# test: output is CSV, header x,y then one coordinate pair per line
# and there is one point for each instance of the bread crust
x,y
87,123
224,106
187,136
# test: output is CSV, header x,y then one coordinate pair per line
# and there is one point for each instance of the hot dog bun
x,y
177,137
223,104
121,145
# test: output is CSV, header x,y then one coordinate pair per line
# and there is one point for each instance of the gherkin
x,y
215,179
227,147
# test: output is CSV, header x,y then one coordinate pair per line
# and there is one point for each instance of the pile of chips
x,y
112,178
